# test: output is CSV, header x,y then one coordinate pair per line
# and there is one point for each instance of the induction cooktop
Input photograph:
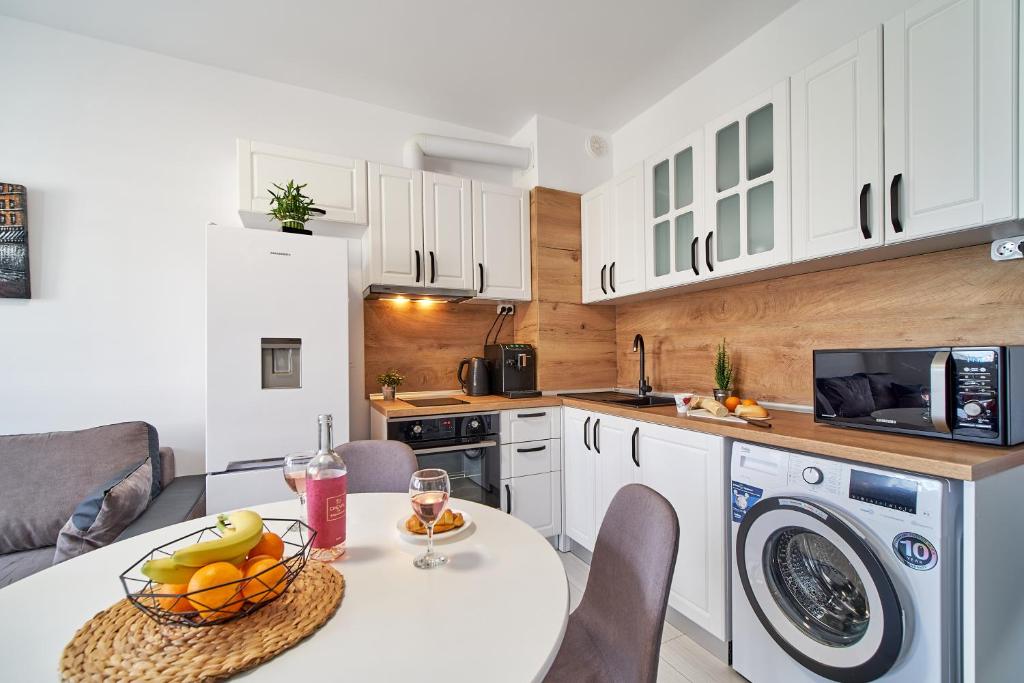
x,y
428,402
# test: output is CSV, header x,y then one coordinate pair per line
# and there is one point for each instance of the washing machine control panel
x,y
814,474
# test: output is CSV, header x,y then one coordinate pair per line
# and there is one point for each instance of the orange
x,y
253,560
212,600
266,580
749,402
178,603
271,544
731,403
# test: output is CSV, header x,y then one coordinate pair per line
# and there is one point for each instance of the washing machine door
x,y
819,590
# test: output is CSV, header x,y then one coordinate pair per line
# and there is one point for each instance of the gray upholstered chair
x,y
615,633
378,466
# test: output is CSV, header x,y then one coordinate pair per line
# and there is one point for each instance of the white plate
x,y
422,538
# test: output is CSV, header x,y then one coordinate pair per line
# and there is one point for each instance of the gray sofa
x,y
44,477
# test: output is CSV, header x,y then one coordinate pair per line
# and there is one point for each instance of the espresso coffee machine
x,y
513,369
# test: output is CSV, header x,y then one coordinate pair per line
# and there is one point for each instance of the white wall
x,y
126,155
560,158
805,32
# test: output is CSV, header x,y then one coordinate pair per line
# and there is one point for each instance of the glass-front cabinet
x,y
674,213
747,186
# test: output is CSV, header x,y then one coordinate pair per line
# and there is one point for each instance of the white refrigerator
x,y
277,353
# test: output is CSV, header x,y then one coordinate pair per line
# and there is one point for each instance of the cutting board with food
x,y
733,409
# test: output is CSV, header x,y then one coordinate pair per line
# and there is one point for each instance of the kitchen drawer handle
x,y
636,454
481,266
894,202
417,265
693,256
864,229
523,416
611,276
586,431
508,499
597,435
603,270
531,450
433,268
707,253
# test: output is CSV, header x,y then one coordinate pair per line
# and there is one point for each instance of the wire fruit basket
x,y
219,604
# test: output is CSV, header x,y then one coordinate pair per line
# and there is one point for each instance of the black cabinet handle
x,y
531,450
636,454
611,276
523,416
586,432
693,256
603,269
433,268
894,202
481,267
597,435
707,253
508,499
864,229
417,265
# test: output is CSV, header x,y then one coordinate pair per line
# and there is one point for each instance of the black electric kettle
x,y
479,381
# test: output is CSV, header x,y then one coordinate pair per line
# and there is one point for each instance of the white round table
x,y
497,611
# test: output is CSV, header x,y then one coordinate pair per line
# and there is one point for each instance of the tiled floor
x,y
682,660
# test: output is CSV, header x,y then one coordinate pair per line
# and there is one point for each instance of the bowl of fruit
x,y
220,573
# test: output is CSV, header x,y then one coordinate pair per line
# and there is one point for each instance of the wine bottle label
x,y
325,505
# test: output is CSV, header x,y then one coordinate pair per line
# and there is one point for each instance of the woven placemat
x,y
123,644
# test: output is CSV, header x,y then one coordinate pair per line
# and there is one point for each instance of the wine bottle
x,y
326,492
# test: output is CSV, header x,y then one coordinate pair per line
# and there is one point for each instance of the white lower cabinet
x,y
603,453
688,468
536,499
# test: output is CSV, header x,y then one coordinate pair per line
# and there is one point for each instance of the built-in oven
x,y
464,445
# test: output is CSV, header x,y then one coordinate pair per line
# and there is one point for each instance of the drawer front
x,y
531,457
530,424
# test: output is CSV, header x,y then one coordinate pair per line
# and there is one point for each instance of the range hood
x,y
418,293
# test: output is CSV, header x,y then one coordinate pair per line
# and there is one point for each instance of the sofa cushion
x,y
44,476
105,512
14,566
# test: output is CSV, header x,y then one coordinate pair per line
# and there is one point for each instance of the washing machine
x,y
842,572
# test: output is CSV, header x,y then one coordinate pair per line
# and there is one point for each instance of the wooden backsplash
x,y
424,342
957,297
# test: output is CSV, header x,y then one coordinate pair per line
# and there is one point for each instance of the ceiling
x,y
486,64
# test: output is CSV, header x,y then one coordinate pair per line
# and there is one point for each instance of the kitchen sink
x,y
621,398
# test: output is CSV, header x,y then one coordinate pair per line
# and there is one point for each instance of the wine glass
x,y
295,475
429,491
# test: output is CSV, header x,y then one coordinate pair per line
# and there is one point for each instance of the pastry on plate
x,y
449,520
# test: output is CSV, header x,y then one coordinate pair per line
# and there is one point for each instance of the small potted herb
x,y
292,208
724,373
389,382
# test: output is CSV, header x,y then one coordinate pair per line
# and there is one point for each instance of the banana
x,y
166,570
242,531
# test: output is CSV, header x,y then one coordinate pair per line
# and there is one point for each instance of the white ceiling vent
x,y
596,146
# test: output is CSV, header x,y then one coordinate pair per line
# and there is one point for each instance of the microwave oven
x,y
961,393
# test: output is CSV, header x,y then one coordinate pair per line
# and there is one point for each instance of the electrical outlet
x,y
506,308
1008,248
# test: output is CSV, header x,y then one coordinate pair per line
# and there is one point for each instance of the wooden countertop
x,y
790,430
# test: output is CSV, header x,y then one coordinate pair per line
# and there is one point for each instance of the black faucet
x,y
638,345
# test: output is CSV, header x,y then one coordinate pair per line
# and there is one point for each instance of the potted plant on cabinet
x,y
725,373
389,382
292,208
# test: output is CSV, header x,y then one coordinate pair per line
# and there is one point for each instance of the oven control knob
x,y
417,430
474,424
973,409
812,475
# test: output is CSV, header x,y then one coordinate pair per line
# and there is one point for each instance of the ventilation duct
x,y
441,147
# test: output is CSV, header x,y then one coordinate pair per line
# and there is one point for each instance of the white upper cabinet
x,y
447,231
336,184
613,240
394,254
674,214
837,151
688,468
501,242
747,186
950,117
